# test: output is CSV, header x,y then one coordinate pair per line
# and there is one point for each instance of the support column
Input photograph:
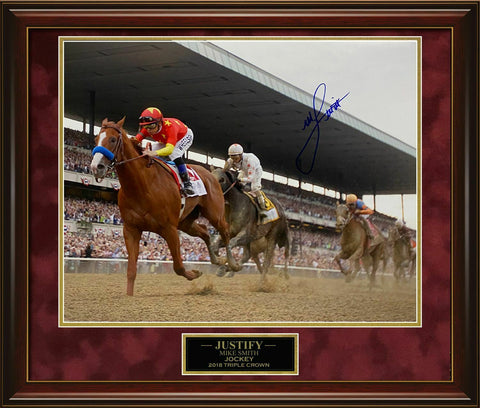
x,y
92,113
403,209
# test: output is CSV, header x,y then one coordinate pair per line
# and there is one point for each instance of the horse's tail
x,y
288,243
287,250
283,241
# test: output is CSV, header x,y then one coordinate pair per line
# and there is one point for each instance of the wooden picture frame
x,y
29,192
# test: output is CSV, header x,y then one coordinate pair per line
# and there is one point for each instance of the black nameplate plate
x,y
240,354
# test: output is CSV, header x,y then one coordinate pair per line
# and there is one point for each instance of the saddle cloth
x,y
373,229
197,183
269,214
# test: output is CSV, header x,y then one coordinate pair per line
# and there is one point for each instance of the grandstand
x,y
93,224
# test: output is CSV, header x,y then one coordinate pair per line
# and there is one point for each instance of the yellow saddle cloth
x,y
268,203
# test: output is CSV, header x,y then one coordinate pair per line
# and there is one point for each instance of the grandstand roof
x,y
225,100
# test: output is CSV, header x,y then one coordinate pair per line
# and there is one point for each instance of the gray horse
x,y
245,230
403,256
355,246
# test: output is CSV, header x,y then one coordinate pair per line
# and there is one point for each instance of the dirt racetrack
x,y
168,298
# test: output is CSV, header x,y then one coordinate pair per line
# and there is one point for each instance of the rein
x,y
129,160
230,187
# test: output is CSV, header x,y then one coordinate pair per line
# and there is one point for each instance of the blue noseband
x,y
103,150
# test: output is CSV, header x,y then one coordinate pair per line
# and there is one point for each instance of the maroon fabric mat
x,y
154,354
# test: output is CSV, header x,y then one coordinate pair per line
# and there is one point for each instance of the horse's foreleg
x,y
132,238
222,227
338,259
354,261
195,229
216,245
171,236
375,263
241,239
413,261
269,253
256,259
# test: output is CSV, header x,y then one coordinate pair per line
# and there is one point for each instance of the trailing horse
x,y
403,256
150,200
245,229
355,245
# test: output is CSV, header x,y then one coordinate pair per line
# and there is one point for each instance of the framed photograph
x,y
116,285
188,72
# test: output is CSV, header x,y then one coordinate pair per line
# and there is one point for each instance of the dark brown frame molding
x,y
462,18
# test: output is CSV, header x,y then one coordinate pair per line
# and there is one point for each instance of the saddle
x,y
197,183
371,244
264,216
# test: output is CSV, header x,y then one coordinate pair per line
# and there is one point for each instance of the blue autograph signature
x,y
316,118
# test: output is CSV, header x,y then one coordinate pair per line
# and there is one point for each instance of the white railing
x,y
109,265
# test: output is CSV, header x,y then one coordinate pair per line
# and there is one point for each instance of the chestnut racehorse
x,y
150,200
355,246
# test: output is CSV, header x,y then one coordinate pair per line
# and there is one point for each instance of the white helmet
x,y
235,149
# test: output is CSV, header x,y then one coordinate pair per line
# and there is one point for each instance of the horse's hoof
x,y
222,271
193,274
230,274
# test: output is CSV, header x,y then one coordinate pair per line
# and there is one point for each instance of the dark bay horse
x,y
403,256
245,231
150,200
355,246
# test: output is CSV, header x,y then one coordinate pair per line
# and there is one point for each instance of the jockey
x,y
405,233
358,207
174,139
250,170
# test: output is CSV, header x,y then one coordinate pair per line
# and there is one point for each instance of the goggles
x,y
150,125
146,119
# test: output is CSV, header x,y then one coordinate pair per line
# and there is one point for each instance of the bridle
x,y
346,219
118,148
234,183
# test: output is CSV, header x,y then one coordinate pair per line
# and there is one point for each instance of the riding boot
x,y
261,200
367,229
187,184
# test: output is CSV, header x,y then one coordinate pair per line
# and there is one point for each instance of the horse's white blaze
x,y
98,157
101,136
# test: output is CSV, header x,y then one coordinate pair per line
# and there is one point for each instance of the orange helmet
x,y
149,116
351,199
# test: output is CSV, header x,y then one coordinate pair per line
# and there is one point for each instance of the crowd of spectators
x,y
303,206
91,211
110,244
309,248
78,139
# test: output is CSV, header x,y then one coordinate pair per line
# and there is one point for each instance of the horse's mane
x,y
231,177
137,145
